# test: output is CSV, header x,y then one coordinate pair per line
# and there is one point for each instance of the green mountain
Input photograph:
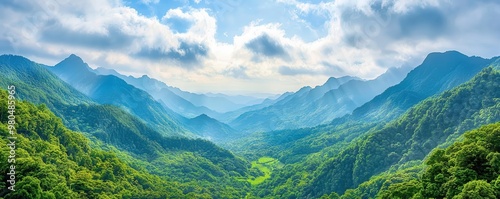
x,y
211,129
437,73
199,163
38,84
467,169
113,90
412,136
340,156
162,93
293,145
54,162
180,109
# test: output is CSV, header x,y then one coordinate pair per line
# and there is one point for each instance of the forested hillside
x,y
54,162
467,169
437,73
192,161
39,85
337,164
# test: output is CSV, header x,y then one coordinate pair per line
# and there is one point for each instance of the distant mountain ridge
x,y
113,90
186,103
314,106
110,89
163,93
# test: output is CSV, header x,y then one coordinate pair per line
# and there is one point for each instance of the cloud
x,y
148,2
291,71
237,72
187,55
301,43
112,39
265,45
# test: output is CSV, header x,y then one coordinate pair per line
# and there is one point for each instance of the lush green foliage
x,y
142,147
37,83
414,134
262,169
54,162
347,154
466,169
59,162
124,157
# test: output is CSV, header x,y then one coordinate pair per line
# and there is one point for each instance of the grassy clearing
x,y
265,165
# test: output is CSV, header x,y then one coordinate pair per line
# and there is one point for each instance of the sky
x,y
238,47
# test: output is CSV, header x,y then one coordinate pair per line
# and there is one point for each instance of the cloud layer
x,y
245,46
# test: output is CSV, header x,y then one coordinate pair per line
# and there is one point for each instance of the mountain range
x,y
108,89
314,106
185,103
97,133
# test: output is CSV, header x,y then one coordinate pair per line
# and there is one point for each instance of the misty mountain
x,y
211,129
313,106
162,93
218,102
113,90
110,89
230,116
186,103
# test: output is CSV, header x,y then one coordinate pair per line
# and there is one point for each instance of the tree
x,y
477,189
28,187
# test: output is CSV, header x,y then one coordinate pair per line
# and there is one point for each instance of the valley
x,y
86,134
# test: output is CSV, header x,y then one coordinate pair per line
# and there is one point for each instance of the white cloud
x,y
363,39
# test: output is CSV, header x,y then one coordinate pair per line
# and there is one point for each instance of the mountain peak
x,y
444,56
73,63
203,117
74,58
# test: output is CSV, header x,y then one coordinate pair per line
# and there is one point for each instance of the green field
x,y
265,165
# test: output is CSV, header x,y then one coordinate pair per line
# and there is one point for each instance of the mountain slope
x,y
113,90
313,106
55,162
186,103
211,129
138,144
466,169
162,92
425,126
229,116
437,73
49,89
